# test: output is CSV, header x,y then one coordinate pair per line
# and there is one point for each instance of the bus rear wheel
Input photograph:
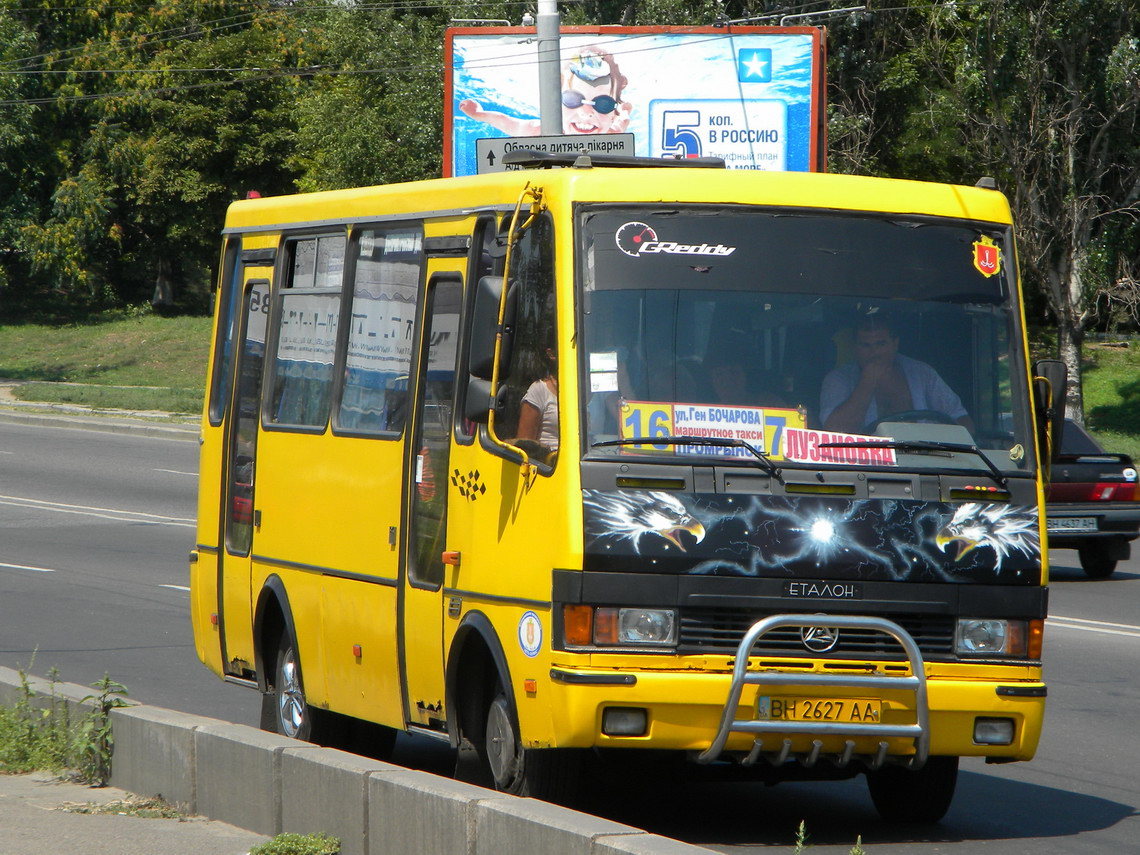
x,y
550,774
291,714
914,795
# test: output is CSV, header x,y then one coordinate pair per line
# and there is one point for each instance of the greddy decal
x,y
637,239
806,537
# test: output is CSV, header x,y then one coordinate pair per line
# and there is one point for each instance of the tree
x,y
1049,98
163,115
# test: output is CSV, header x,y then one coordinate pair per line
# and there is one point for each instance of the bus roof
x,y
444,197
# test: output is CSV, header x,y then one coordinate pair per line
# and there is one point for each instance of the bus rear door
x,y
239,476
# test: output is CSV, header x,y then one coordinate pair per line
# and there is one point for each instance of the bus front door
x,y
421,612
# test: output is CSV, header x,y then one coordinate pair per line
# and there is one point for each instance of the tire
x,y
914,796
289,713
1095,561
550,774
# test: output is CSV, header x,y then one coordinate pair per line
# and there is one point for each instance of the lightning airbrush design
x,y
892,540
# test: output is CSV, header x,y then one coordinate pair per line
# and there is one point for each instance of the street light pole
x,y
549,68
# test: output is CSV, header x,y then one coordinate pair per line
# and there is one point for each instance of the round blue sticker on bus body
x,y
530,634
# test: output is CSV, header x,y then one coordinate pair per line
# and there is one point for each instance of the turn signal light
x,y
578,625
1036,638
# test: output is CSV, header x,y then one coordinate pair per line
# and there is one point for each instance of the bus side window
x,y
229,297
532,406
381,318
488,253
307,332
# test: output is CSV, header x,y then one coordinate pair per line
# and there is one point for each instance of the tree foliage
x,y
1045,97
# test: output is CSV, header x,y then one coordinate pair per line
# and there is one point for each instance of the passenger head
x,y
875,339
727,376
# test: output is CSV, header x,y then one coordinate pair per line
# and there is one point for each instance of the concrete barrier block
x,y
420,812
237,772
645,844
539,828
154,753
326,790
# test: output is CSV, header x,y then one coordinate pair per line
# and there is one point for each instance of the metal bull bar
x,y
916,682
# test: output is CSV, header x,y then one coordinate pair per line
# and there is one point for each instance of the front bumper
x,y
926,709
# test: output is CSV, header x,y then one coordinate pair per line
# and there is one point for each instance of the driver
x,y
882,382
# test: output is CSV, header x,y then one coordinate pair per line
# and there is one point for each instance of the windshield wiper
x,y
928,445
761,459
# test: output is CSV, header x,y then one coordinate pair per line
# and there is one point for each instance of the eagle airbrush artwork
x,y
786,537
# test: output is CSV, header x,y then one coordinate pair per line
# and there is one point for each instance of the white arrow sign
x,y
489,151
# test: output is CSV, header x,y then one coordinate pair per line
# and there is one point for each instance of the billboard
x,y
751,95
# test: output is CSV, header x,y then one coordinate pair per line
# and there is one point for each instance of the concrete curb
x,y
270,784
94,420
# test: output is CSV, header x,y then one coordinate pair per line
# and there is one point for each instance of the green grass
x,y
1112,396
113,359
140,351
116,397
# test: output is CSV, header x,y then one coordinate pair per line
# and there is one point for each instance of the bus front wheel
x,y
914,795
550,774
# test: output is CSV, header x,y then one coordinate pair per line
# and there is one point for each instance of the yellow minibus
x,y
603,454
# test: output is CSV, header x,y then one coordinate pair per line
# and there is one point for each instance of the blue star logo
x,y
754,65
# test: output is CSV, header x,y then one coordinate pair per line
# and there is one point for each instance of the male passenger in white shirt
x,y
882,382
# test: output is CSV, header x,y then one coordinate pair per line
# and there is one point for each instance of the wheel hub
x,y
501,752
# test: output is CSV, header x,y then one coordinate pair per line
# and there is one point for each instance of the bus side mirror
x,y
1050,386
485,327
478,404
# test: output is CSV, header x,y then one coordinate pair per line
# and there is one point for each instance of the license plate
x,y
818,709
1071,524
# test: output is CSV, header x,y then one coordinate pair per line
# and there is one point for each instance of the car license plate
x,y
1071,524
818,709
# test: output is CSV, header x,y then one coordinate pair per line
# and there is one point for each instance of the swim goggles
x,y
572,99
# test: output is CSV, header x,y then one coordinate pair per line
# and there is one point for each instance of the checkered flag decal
x,y
470,486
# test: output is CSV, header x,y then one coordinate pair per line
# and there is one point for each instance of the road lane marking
x,y
1100,626
176,588
176,472
115,514
26,567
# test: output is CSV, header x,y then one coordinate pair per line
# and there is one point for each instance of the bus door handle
x,y
451,558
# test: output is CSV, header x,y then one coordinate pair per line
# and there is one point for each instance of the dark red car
x,y
1092,503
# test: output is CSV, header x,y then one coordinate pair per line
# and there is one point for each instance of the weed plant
x,y
298,844
802,844
38,733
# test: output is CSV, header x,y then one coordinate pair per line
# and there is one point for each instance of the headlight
x,y
991,637
645,626
619,627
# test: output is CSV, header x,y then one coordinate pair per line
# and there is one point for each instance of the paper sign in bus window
x,y
760,427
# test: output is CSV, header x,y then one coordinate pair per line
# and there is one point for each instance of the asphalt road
x,y
94,533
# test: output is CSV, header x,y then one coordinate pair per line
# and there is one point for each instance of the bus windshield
x,y
819,338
